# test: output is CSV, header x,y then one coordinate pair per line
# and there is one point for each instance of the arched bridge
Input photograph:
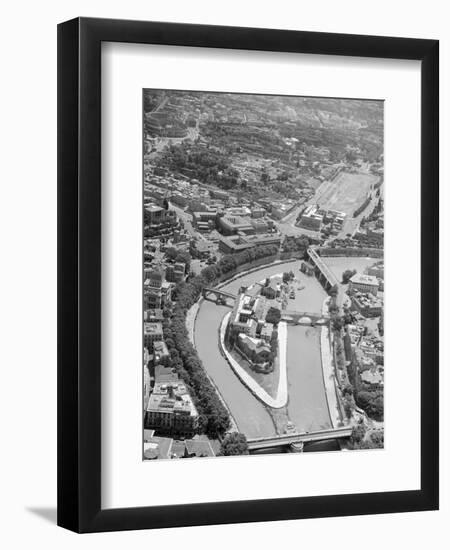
x,y
217,295
296,440
323,272
304,317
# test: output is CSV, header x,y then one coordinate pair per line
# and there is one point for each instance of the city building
x,y
266,332
376,270
246,313
233,245
231,225
367,304
147,382
171,411
261,225
153,315
238,211
364,283
157,448
258,212
354,333
255,350
153,332
281,209
218,194
198,448
311,218
160,353
159,221
164,374
175,272
202,249
204,221
157,291
373,377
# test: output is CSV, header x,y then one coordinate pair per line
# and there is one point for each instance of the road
x,y
187,220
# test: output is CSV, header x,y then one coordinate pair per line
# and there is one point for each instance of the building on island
x,y
256,351
250,334
266,332
247,311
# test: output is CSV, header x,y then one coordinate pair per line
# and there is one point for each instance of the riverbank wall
x,y
328,372
350,252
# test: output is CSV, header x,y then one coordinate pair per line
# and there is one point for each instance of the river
x,y
307,407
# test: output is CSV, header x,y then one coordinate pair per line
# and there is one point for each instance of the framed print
x,y
248,275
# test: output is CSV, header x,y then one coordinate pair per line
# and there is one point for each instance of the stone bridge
x,y
304,317
323,272
219,296
295,441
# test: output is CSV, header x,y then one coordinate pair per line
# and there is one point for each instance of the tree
x,y
377,439
184,258
372,402
273,316
337,323
347,275
358,433
234,443
348,408
333,308
348,390
171,253
333,290
288,276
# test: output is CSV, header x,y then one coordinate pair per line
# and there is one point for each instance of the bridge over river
x,y
296,440
323,272
222,297
307,406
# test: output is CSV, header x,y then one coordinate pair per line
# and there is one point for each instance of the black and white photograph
x,y
221,223
263,274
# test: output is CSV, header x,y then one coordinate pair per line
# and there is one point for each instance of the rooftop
x,y
153,328
199,447
157,447
153,208
171,396
361,278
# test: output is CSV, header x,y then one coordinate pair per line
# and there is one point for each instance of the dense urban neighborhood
x,y
263,283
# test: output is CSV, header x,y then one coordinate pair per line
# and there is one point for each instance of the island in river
x,y
307,406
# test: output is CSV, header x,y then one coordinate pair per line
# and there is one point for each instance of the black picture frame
x,y
79,274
